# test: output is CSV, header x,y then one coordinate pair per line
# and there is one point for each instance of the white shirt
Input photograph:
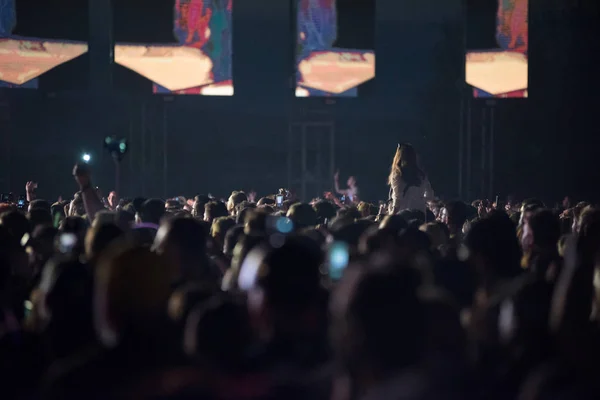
x,y
416,197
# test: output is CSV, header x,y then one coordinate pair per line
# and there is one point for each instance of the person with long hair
x,y
409,186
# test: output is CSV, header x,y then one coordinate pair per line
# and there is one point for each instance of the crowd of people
x,y
273,298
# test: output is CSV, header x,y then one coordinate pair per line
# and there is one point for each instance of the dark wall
x,y
218,144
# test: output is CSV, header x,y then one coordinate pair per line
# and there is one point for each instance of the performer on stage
x,y
409,186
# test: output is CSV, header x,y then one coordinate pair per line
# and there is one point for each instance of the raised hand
x,y
31,186
81,173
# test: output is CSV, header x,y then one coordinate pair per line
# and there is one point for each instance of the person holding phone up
x,y
349,195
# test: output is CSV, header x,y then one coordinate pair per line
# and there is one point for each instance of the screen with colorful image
x,y
198,61
10,72
497,47
27,50
335,51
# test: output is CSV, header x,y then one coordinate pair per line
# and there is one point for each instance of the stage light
x,y
86,158
117,148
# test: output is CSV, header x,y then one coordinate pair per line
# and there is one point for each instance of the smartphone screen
x,y
67,242
279,200
338,258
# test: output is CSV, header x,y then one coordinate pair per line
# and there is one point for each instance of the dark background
x,y
544,146
356,24
481,24
356,30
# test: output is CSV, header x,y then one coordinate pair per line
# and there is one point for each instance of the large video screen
x,y
199,59
24,60
30,49
43,47
335,52
11,75
497,47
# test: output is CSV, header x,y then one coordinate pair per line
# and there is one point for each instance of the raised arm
x,y
329,196
336,183
30,188
91,201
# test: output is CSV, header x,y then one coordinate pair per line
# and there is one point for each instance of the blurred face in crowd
x,y
525,216
526,237
76,207
527,210
113,199
231,205
443,215
198,209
